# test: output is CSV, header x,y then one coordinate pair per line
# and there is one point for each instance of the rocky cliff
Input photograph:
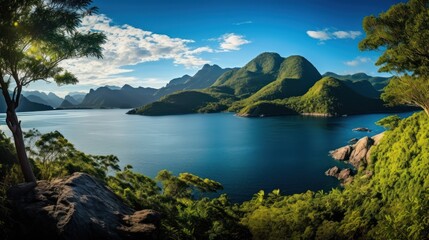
x,y
77,207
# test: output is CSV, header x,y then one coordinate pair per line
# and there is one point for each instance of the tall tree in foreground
x,y
403,34
35,36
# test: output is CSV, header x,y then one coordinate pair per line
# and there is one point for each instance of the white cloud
x,y
126,46
326,34
231,41
242,23
349,34
357,61
320,35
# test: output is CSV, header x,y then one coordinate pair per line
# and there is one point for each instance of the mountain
x,y
78,96
328,97
67,105
25,105
267,76
125,97
71,100
253,76
178,81
40,97
377,82
295,76
333,97
37,99
364,88
204,78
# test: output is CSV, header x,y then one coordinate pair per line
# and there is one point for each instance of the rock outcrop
x,y
357,154
342,153
78,207
344,175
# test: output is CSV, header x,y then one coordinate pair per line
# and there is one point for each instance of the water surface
x,y
244,154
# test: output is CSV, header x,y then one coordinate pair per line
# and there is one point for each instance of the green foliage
x,y
183,216
408,90
178,103
37,35
403,33
266,109
54,156
389,122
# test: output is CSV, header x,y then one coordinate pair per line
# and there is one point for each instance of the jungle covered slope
x,y
387,200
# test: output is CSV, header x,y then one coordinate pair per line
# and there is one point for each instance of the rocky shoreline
x,y
357,155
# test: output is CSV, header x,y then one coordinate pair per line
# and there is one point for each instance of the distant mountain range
x,y
272,85
25,105
129,97
49,99
267,85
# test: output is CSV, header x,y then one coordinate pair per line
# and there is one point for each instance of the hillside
x,y
177,103
377,82
126,97
333,97
328,97
25,106
253,76
204,78
295,76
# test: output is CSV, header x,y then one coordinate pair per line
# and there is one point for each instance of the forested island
x,y
52,190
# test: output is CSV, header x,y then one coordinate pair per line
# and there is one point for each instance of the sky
x,y
150,42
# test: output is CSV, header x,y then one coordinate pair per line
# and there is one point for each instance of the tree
x,y
403,34
35,36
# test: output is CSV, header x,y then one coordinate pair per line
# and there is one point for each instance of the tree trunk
x,y
15,126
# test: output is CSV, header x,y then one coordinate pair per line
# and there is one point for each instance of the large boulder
x,y
342,153
359,154
78,207
333,171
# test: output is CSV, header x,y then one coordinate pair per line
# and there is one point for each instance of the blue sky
x,y
152,41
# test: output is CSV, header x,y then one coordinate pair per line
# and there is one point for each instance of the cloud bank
x,y
326,34
127,46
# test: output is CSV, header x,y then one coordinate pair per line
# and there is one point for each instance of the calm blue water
x,y
244,154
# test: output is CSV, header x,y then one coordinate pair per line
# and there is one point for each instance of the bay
x,y
244,154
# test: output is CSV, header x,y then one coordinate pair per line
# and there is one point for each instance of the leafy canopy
x,y
403,33
36,35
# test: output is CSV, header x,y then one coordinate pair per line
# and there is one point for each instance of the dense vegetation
x,y
388,199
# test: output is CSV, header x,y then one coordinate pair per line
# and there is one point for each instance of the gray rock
x,y
358,156
342,153
78,207
361,129
344,174
333,171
